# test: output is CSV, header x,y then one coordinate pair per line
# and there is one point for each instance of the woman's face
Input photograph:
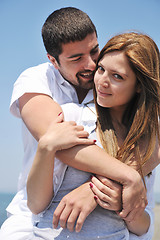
x,y
115,81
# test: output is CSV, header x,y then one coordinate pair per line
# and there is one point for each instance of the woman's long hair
x,y
142,114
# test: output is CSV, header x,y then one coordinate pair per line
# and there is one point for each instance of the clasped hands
x,y
128,199
78,204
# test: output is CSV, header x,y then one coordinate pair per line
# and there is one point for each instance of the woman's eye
x,y
100,69
117,76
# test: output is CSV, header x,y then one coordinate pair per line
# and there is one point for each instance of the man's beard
x,y
80,82
85,85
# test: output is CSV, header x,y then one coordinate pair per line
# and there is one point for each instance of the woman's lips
x,y
103,93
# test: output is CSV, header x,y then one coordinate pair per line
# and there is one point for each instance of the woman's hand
x,y
108,193
113,196
63,135
74,208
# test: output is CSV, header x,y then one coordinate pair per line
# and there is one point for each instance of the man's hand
x,y
107,192
134,199
133,195
74,208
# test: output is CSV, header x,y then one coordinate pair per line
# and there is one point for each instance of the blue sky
x,y
21,47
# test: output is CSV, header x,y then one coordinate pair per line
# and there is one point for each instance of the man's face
x,y
78,60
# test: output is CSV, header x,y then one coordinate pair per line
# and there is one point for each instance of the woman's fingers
x,y
107,194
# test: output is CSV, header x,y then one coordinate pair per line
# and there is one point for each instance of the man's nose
x,y
90,64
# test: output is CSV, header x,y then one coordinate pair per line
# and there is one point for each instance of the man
x,y
70,39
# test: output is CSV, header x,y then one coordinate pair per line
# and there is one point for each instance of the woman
x,y
127,105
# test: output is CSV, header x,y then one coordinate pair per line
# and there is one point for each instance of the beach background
x,y
21,47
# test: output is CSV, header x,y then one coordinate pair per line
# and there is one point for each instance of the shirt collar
x,y
62,81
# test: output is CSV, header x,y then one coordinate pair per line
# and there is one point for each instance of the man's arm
x,y
140,225
38,111
96,160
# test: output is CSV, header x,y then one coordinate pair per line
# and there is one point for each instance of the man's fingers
x,y
132,215
80,221
64,216
57,214
123,214
72,219
134,210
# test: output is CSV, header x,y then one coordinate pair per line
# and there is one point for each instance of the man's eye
x,y
117,76
93,52
76,59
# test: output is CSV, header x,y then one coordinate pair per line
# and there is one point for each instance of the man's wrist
x,y
130,177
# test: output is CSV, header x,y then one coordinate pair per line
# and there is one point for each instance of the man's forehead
x,y
78,48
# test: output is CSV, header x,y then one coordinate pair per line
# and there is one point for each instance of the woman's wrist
x,y
45,147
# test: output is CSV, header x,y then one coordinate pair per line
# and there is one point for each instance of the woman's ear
x,y
53,61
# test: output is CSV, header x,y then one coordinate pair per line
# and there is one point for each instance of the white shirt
x,y
44,79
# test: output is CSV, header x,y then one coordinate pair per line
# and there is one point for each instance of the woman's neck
x,y
116,116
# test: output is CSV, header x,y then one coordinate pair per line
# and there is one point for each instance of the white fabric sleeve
x,y
32,80
149,209
72,112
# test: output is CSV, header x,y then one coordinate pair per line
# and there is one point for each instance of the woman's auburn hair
x,y
142,115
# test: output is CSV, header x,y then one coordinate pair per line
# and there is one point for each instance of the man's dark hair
x,y
63,26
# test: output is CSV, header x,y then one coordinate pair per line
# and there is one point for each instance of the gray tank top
x,y
100,224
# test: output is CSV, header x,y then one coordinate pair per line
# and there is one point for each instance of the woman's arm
x,y
38,111
133,192
60,135
40,180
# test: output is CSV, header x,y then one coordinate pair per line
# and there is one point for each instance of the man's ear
x,y
53,61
